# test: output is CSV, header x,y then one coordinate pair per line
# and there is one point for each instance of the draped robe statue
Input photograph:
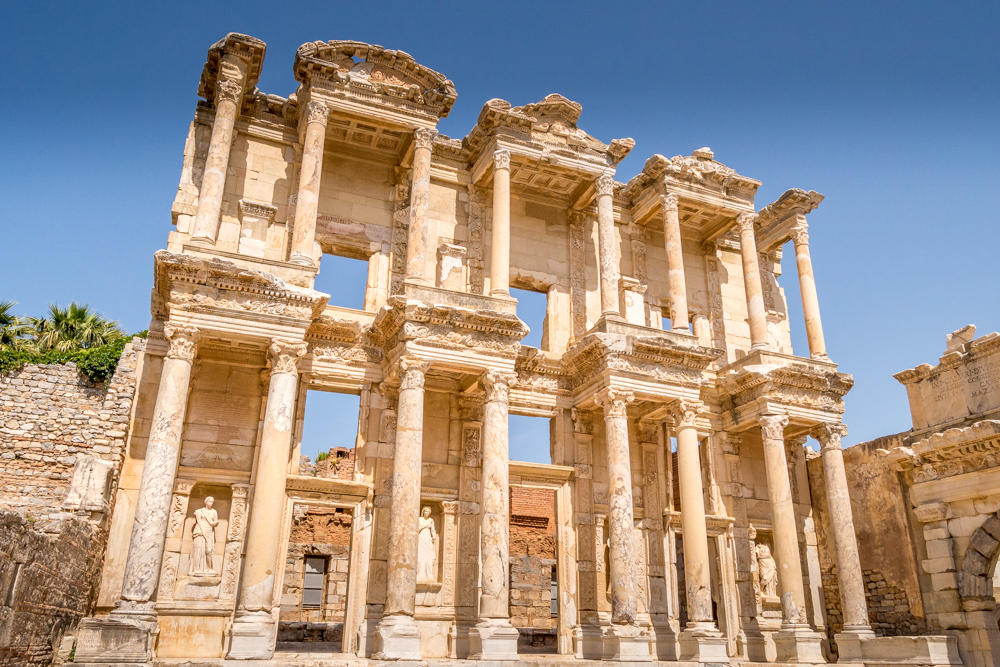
x,y
426,547
203,543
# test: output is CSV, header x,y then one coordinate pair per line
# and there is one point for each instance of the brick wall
x,y
48,573
888,607
49,415
532,559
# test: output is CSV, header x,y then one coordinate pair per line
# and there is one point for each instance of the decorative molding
x,y
285,354
772,427
228,90
317,112
412,371
183,341
614,401
497,384
669,203
423,137
605,185
829,435
746,221
686,413
501,159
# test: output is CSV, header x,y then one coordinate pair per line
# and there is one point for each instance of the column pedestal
x,y
397,638
626,643
799,645
702,642
493,639
252,636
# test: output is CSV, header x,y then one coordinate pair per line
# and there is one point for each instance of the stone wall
x,y
532,560
48,580
339,464
50,414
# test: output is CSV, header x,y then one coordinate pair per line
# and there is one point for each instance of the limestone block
x,y
983,543
933,512
974,563
945,581
936,530
966,525
939,549
90,488
935,565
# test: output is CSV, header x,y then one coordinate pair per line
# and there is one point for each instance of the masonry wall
x,y
885,541
49,415
532,558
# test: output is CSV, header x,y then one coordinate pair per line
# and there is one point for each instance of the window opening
x,y
329,431
345,279
313,581
530,439
531,308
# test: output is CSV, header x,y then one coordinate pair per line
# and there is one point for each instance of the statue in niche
x,y
203,543
427,549
768,571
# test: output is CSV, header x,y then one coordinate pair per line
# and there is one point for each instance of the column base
x,y
301,260
801,645
702,642
493,639
626,643
397,638
252,636
116,639
849,644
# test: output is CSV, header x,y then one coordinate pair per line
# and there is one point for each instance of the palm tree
x,y
73,328
14,331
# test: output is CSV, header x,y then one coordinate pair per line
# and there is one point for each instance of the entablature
x,y
781,220
249,50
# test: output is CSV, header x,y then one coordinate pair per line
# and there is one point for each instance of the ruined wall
x,y
48,578
532,559
49,415
885,541
316,531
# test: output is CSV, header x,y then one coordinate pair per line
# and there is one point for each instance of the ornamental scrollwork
x,y
183,341
746,221
496,384
800,234
614,401
829,435
686,413
772,427
669,203
605,185
285,355
412,371
424,137
317,112
501,159
228,91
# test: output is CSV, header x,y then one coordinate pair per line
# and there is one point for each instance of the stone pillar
x,y
494,638
253,627
807,286
396,637
315,115
607,246
213,182
701,640
845,544
420,195
500,250
795,642
676,286
145,550
751,282
629,641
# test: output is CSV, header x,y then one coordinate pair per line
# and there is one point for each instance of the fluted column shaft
x,y
697,565
145,550
784,530
622,569
845,541
420,196
807,287
213,181
751,282
676,285
500,248
495,537
264,529
607,246
307,201
404,511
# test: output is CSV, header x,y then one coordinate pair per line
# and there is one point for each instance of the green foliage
x,y
14,331
97,363
73,328
322,456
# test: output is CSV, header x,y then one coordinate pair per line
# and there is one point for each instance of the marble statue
x,y
768,570
426,547
203,544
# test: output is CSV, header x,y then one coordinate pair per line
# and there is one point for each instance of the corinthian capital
x,y
605,185
411,372
829,435
614,401
285,355
228,90
501,159
746,221
183,341
772,427
317,112
496,384
800,234
424,137
669,203
686,412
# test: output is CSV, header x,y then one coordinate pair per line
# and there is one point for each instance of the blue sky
x,y
889,109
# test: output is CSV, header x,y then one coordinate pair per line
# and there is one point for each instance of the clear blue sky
x,y
890,109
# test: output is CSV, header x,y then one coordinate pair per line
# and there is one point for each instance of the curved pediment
x,y
375,75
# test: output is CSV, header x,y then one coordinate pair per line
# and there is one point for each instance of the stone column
x,y
807,286
315,115
751,282
494,638
676,286
849,576
630,643
700,640
213,182
396,637
420,195
253,627
145,550
500,250
607,246
795,642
